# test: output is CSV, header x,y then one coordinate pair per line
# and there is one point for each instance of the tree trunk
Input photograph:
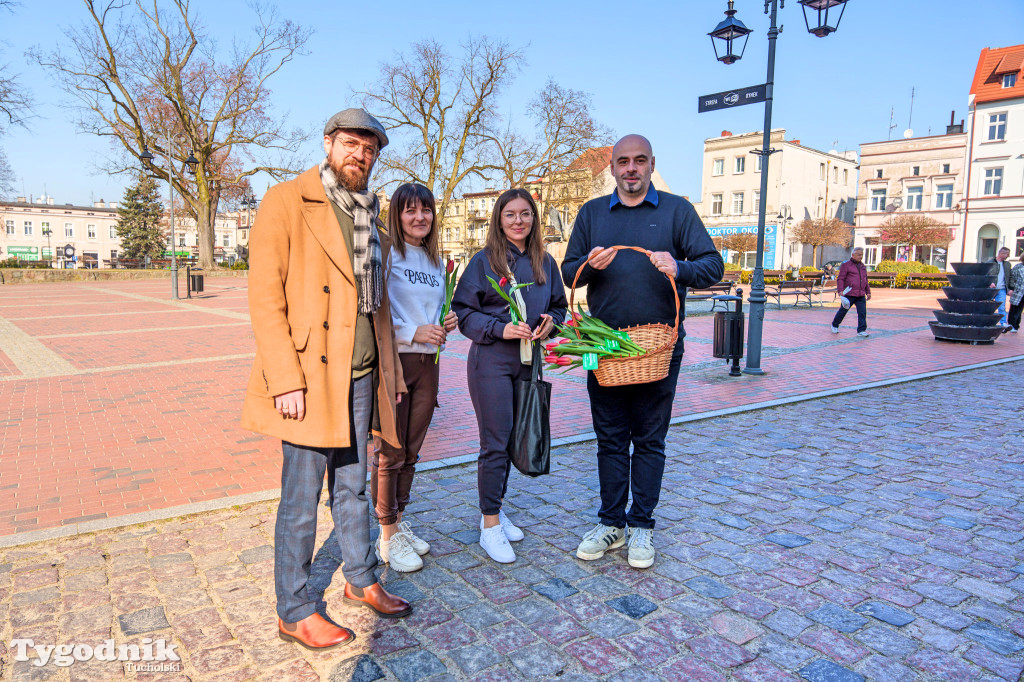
x,y
205,236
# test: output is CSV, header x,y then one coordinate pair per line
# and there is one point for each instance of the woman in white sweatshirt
x,y
416,289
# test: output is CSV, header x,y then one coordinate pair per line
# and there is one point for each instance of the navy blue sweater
x,y
631,291
483,314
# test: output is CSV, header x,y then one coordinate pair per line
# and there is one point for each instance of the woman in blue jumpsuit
x,y
514,251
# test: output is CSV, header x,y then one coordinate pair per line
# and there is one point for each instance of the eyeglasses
x,y
351,146
510,217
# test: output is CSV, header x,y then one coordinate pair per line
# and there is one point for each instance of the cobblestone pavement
x,y
136,398
875,535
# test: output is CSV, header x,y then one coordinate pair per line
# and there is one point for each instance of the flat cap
x,y
357,119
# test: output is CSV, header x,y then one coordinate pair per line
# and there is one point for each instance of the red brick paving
x,y
108,443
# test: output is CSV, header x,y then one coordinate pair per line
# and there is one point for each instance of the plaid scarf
x,y
363,207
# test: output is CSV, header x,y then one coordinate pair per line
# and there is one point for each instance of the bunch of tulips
x,y
588,339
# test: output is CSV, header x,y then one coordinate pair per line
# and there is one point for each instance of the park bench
x,y
926,277
824,286
888,278
723,288
800,288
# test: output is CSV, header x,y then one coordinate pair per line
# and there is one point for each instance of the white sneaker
x,y
835,329
496,545
419,545
863,333
600,540
399,554
641,547
1013,331
512,532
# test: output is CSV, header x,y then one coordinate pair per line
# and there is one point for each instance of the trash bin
x,y
195,281
728,334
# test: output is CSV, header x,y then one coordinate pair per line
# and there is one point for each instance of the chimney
x,y
953,128
112,204
49,201
99,204
726,133
20,200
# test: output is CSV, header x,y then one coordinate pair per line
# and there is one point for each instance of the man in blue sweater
x,y
623,290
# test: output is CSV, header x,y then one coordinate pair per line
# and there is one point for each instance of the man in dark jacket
x,y
1002,284
623,290
854,275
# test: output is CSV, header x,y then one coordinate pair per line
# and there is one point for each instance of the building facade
x,y
917,176
993,204
802,183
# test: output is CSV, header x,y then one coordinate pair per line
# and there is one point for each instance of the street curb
x,y
30,537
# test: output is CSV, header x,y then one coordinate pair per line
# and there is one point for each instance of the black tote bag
x,y
530,442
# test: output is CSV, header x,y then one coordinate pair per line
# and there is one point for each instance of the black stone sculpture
x,y
968,312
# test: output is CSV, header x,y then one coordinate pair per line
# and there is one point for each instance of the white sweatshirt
x,y
416,290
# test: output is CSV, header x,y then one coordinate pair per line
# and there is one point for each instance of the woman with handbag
x,y
416,286
502,349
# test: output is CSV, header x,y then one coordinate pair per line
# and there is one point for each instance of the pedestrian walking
x,y
501,353
852,283
1003,284
416,288
1017,295
625,289
325,361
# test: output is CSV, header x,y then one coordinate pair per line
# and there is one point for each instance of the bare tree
x,y
445,105
15,100
914,230
7,176
822,232
565,130
139,73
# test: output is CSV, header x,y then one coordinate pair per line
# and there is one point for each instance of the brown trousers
x,y
392,469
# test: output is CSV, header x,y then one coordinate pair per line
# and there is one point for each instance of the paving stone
x,y
691,669
827,671
887,670
885,613
406,590
954,522
455,596
949,596
733,521
633,674
986,590
830,524
532,610
1006,668
788,622
941,665
997,639
885,641
416,666
361,668
482,616
783,651
146,620
611,626
559,630
475,657
735,628
633,605
555,589
788,540
538,660
837,618
719,651
708,587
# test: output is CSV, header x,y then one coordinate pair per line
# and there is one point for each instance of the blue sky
x,y
645,68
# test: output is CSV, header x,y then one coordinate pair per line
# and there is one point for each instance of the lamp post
x,y
727,32
46,233
784,218
191,163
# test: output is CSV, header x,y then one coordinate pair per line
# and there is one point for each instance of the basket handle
x,y
572,291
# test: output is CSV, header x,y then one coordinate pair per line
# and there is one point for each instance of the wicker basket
x,y
657,339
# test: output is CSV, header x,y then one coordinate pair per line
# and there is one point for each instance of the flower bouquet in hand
x,y
513,307
587,340
451,273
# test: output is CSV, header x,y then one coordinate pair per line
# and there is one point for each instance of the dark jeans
x,y
862,313
302,479
392,469
492,370
1015,312
637,414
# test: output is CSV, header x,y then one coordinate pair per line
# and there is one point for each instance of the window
x,y
181,240
1009,80
716,204
944,196
997,126
846,176
113,255
718,167
758,163
878,200
91,231
915,170
821,171
226,240
28,228
757,200
878,173
737,203
741,164
44,229
113,231
945,168
69,229
10,227
835,174
993,181
914,195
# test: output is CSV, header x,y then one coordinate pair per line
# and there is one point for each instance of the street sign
x,y
732,98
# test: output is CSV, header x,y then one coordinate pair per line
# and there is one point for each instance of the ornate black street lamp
x,y
728,31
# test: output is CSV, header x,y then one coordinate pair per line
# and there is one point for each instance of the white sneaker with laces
x,y
835,329
512,532
641,547
496,545
600,540
419,545
399,554
863,333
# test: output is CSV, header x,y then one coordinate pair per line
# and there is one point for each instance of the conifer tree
x,y
140,220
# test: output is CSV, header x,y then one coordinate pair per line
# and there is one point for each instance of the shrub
x,y
240,265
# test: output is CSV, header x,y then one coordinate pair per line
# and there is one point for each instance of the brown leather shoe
x,y
314,632
374,597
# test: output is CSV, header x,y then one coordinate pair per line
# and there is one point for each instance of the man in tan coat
x,y
325,366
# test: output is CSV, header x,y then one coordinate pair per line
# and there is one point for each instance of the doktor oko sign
x,y
769,238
